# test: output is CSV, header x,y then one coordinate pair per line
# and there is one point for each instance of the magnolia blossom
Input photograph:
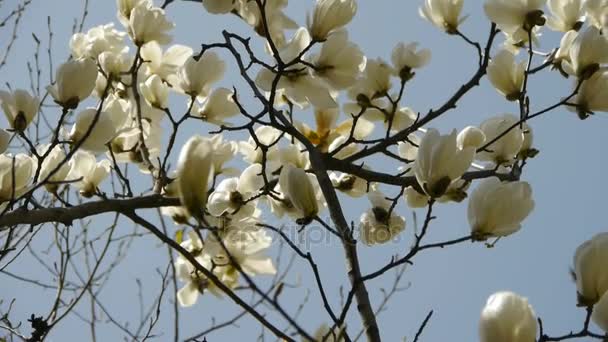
x,y
507,317
195,77
5,138
54,167
92,130
445,14
265,135
330,15
233,196
19,107
440,162
507,75
74,82
155,91
563,52
600,312
567,15
328,131
22,168
470,136
217,107
339,62
506,148
86,173
592,95
497,208
99,39
351,185
295,155
515,15
590,272
166,64
300,86
589,49
114,64
125,7
219,6
148,23
375,82
597,12
276,19
194,170
298,189
379,225
406,57
245,247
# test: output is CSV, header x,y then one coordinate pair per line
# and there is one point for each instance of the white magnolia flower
x,y
5,138
22,167
563,52
505,149
589,49
406,57
375,82
99,39
219,6
567,15
125,7
194,170
114,64
592,95
55,163
515,15
330,15
92,130
600,312
148,23
328,131
74,82
222,152
298,189
267,136
294,154
276,19
155,91
497,209
506,74
403,118
19,107
218,107
339,62
196,77
470,136
507,317
445,14
597,13
590,272
440,162
164,64
378,224
86,173
233,196
408,149
351,185
300,86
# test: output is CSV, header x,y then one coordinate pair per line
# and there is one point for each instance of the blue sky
x,y
567,178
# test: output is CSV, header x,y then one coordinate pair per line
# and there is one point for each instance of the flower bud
x,y
155,91
298,189
15,174
330,15
194,169
507,317
148,23
470,136
590,272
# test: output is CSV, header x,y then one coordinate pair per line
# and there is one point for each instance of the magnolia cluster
x,y
582,54
508,317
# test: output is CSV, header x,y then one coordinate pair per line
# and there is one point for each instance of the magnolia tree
x,y
311,127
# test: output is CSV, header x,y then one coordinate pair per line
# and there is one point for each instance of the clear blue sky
x,y
568,181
